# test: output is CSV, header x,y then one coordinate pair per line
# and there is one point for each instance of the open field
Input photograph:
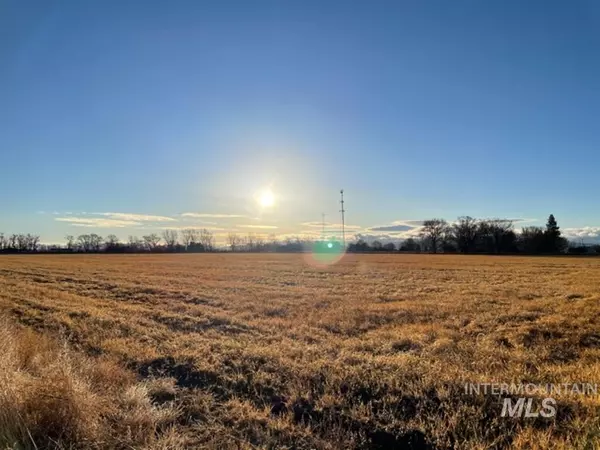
x,y
265,351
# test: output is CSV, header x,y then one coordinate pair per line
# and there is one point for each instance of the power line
x,y
343,223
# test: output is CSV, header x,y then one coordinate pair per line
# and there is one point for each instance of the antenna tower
x,y
343,222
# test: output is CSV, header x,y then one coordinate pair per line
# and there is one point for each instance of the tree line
x,y
465,235
488,236
190,240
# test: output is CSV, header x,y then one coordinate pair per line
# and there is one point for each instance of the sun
x,y
266,198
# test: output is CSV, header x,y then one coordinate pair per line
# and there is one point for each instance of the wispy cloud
x,y
97,222
205,222
192,227
383,238
409,222
264,227
315,224
318,235
211,216
390,228
398,229
110,219
136,217
411,228
520,220
581,233
330,225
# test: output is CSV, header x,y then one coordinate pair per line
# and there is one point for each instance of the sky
x,y
130,117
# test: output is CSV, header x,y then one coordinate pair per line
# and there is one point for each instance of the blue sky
x,y
128,117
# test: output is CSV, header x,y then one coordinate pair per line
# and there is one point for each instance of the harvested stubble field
x,y
265,351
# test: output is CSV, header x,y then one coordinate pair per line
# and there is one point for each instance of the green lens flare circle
x,y
325,252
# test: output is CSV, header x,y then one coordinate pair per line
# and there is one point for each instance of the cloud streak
x,y
392,228
97,222
192,227
330,225
136,217
110,219
409,222
212,216
262,227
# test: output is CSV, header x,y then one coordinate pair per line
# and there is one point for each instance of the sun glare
x,y
266,198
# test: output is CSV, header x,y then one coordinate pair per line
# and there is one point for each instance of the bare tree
x,y
151,241
273,242
498,232
25,242
259,244
465,233
70,242
207,240
434,232
84,242
410,245
135,243
111,240
32,242
12,242
532,240
90,242
111,243
189,237
22,242
170,237
2,241
234,241
96,242
251,242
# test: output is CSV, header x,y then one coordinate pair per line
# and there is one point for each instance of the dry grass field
x,y
265,351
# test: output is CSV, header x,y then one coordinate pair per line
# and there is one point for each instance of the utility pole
x,y
343,223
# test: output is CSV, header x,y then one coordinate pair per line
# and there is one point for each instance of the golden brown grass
x,y
53,397
265,351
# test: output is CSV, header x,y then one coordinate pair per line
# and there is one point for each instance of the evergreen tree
x,y
552,228
554,242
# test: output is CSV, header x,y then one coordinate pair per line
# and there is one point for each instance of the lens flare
x,y
325,253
